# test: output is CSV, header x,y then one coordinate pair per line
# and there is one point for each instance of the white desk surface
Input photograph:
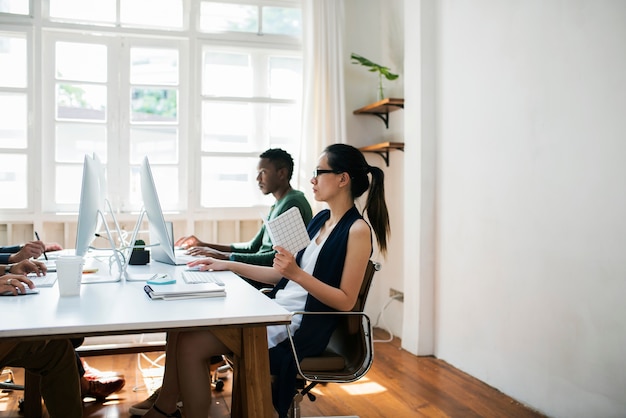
x,y
124,308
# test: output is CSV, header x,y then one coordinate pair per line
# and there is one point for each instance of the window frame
x,y
33,140
40,29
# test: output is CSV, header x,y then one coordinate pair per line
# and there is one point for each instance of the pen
x,y
44,251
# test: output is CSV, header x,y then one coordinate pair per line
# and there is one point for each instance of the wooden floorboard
x,y
398,385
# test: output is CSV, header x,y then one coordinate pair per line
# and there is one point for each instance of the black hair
x,y
280,158
348,159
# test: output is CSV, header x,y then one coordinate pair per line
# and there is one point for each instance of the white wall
x,y
374,29
531,199
518,109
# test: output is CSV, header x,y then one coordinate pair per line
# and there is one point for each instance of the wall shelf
x,y
383,149
381,109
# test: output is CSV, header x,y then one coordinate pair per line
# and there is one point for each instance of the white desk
x,y
239,320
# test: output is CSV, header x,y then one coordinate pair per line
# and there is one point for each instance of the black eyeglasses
x,y
319,171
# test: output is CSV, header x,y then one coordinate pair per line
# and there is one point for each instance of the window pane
x,y
284,124
13,120
81,10
154,105
224,17
13,181
230,182
166,182
282,21
19,7
152,13
160,144
81,62
68,184
285,77
226,74
74,140
227,127
13,61
81,102
154,66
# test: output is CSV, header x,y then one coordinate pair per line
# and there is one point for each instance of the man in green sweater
x,y
274,172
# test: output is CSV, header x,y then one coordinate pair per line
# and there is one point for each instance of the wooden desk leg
x,y
252,395
32,395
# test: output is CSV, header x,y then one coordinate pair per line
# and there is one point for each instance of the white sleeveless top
x,y
293,296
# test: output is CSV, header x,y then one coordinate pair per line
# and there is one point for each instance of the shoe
x,y
101,388
175,414
92,373
142,407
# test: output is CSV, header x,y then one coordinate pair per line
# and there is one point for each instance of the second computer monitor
x,y
159,234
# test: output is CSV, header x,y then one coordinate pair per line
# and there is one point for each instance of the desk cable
x,y
381,317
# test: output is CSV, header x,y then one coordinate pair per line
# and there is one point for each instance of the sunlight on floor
x,y
4,402
364,386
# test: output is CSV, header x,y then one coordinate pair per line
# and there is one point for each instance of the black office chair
x,y
349,354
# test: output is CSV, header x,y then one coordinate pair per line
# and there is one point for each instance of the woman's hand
x,y
15,283
285,263
208,264
29,266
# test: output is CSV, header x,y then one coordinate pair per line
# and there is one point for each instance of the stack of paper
x,y
185,291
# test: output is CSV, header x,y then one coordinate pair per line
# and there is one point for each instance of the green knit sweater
x,y
259,250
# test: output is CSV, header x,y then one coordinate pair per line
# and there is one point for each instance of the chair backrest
x,y
349,353
359,306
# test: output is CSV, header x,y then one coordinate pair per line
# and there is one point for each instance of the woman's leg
x,y
194,352
187,373
168,396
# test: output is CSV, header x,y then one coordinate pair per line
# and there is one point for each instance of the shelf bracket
x,y
385,155
385,116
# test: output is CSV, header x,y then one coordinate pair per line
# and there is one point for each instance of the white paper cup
x,y
69,274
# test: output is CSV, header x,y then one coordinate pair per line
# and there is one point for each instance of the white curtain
x,y
323,109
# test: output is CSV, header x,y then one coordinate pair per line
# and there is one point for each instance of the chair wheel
x,y
219,385
20,405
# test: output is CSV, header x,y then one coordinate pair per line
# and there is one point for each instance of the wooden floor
x,y
398,385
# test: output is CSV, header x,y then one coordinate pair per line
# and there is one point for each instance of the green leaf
x,y
373,67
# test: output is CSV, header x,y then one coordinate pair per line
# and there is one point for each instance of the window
x,y
250,102
189,83
118,98
250,97
14,109
18,7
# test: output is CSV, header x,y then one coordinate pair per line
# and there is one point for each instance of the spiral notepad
x,y
288,230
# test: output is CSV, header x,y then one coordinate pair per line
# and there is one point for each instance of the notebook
x,y
184,291
288,231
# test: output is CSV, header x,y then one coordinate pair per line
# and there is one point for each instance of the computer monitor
x,y
159,234
90,209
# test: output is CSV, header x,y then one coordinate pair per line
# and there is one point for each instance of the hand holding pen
x,y
44,248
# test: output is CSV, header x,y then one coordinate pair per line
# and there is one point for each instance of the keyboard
x,y
44,281
50,264
193,276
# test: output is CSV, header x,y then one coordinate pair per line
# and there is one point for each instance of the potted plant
x,y
373,67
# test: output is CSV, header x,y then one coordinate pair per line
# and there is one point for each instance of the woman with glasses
x,y
325,276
